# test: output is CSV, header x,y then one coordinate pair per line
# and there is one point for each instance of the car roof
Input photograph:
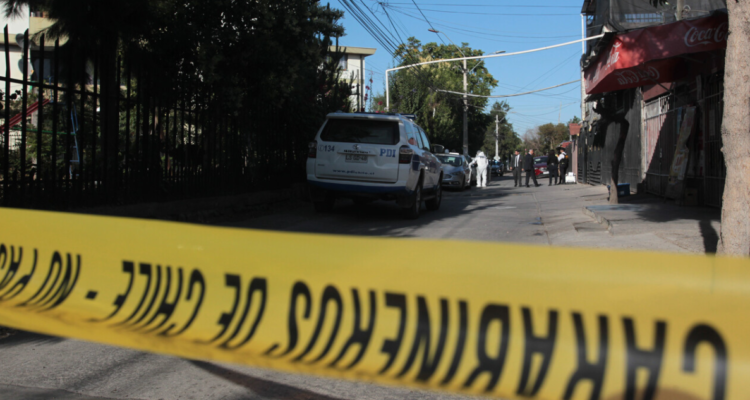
x,y
372,116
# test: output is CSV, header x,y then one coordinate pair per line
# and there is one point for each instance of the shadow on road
x,y
382,218
264,388
21,338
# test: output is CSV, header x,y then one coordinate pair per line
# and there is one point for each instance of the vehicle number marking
x,y
357,158
388,152
326,148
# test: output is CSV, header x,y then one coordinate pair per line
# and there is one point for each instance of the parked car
x,y
496,167
368,156
456,170
540,166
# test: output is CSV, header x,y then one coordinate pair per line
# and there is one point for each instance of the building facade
x,y
353,69
660,72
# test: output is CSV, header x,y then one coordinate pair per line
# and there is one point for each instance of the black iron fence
x,y
63,146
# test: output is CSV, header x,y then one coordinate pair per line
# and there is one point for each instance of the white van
x,y
371,156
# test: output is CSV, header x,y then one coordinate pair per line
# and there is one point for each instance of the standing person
x,y
528,166
563,160
552,167
516,166
481,162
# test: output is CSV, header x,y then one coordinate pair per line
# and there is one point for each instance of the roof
x,y
589,7
575,129
366,51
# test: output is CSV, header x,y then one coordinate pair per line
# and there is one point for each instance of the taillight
x,y
312,149
405,154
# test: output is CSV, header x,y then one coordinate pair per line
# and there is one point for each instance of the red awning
x,y
650,55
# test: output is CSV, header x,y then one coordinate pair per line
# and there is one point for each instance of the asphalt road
x,y
40,367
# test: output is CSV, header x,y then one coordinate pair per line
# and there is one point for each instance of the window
x,y
411,136
425,142
455,161
343,63
361,131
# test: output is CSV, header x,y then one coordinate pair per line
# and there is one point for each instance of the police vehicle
x,y
373,156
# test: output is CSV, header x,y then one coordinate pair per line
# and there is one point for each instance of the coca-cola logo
x,y
631,77
697,37
614,54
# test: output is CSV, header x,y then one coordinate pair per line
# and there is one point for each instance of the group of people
x,y
557,166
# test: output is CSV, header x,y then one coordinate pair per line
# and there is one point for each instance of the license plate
x,y
356,158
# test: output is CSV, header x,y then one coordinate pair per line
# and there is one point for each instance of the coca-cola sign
x,y
698,37
635,76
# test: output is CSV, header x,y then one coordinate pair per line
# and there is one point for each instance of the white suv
x,y
366,156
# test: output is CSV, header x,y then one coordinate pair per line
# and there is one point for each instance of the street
x,y
40,367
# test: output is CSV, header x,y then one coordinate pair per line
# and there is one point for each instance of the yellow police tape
x,y
503,320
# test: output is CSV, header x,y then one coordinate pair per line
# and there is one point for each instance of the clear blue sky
x,y
489,25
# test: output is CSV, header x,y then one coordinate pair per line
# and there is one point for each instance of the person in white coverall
x,y
481,162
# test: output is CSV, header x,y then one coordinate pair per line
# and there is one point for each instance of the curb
x,y
598,218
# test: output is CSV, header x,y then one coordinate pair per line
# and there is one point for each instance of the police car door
x,y
432,165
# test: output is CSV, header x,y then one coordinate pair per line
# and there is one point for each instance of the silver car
x,y
456,170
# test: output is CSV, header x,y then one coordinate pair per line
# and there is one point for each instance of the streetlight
x,y
466,98
466,72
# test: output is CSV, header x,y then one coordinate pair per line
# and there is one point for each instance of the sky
x,y
488,25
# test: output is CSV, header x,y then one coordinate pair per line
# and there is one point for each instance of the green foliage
x,y
574,120
508,139
414,91
264,62
551,135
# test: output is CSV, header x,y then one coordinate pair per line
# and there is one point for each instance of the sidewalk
x,y
695,229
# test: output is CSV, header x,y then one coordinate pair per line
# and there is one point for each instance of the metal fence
x,y
61,149
661,122
715,171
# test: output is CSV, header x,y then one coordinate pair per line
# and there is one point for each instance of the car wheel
x,y
433,204
412,212
463,185
324,205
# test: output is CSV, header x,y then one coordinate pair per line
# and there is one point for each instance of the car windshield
x,y
361,131
540,160
455,161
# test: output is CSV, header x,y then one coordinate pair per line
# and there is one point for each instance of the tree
x,y
551,135
508,139
735,225
222,58
531,139
610,116
93,31
415,91
574,120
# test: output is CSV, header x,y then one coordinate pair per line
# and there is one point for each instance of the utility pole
x,y
680,8
466,112
497,136
560,114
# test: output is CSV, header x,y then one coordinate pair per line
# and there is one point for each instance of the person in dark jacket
x,y
552,167
528,166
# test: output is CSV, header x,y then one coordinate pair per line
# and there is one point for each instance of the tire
x,y
324,205
433,204
412,212
463,185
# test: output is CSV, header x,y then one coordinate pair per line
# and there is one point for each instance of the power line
x,y
508,95
490,5
503,14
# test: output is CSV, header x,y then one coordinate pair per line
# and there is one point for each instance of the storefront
x,y
661,75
